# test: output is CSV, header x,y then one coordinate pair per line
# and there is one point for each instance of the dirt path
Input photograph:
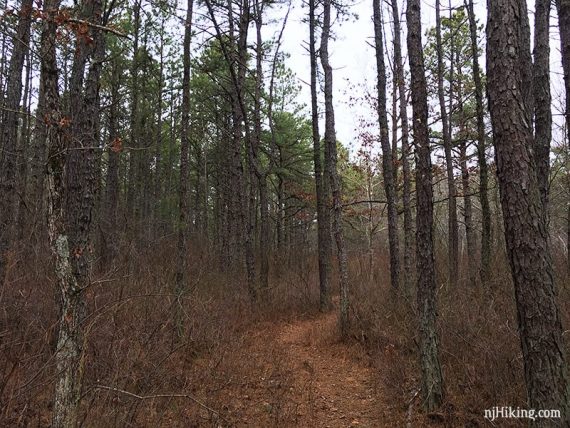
x,y
306,377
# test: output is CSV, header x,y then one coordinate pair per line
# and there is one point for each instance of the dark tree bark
x,y
83,140
70,341
321,180
108,241
183,199
510,102
465,176
432,379
9,134
406,175
330,142
481,156
260,175
158,176
132,188
452,224
563,9
542,98
387,165
24,152
72,239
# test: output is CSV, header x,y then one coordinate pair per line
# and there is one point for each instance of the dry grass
x,y
132,346
480,348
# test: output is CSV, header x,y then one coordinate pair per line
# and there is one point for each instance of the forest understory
x,y
281,363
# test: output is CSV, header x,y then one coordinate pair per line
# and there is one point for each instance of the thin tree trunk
x,y
467,212
432,379
264,247
406,176
24,152
452,225
330,142
481,156
157,185
387,165
321,180
465,176
563,9
132,187
109,247
184,214
510,102
9,134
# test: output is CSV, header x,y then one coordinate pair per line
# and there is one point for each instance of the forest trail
x,y
307,378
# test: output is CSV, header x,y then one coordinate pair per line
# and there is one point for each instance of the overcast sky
x,y
353,58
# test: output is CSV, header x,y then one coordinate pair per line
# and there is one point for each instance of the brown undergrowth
x,y
278,363
479,346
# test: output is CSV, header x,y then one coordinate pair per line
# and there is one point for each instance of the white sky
x,y
353,58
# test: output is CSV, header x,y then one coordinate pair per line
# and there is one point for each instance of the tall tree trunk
x,y
24,151
542,98
9,134
432,379
132,187
264,247
108,240
79,187
321,180
563,9
452,224
80,173
510,102
157,185
406,176
183,197
330,142
467,212
465,176
387,165
481,156
69,346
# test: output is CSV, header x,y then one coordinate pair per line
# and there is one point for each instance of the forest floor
x,y
307,376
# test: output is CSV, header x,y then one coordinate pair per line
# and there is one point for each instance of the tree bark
x,y
132,188
452,224
432,379
321,180
9,134
387,165
481,155
68,358
24,152
183,199
563,9
330,142
406,175
80,174
510,102
264,248
467,212
109,248
542,98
